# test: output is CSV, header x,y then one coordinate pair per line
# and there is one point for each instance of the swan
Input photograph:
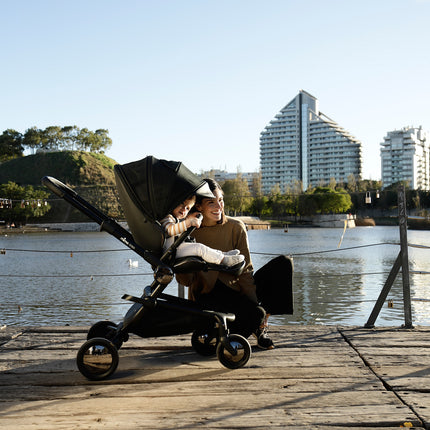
x,y
132,263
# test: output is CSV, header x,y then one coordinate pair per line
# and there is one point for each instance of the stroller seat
x,y
148,190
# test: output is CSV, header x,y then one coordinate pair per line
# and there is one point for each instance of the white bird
x,y
133,263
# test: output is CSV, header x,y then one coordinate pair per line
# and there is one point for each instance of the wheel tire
x,y
104,329
204,343
93,361
242,347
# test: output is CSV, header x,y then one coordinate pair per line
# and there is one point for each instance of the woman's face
x,y
212,209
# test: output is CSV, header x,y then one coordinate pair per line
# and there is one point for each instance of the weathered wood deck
x,y
317,377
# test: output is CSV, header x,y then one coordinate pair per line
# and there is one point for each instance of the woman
x,y
222,291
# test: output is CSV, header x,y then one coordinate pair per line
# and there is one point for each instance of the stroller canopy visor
x,y
156,186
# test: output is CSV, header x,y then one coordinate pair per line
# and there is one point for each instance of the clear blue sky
x,y
198,80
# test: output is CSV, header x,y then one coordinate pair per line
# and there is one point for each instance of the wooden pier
x,y
317,377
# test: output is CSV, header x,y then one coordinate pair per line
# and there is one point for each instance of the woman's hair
x,y
213,185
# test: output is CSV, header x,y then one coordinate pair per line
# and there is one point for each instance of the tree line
x,y
332,198
53,138
18,203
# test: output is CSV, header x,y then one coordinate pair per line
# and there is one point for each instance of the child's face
x,y
182,210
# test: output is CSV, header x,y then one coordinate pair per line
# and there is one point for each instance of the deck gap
x,y
385,384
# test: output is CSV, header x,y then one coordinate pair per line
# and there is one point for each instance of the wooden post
x,y
384,293
403,225
401,261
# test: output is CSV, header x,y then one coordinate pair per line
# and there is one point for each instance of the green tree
x,y
325,200
32,139
278,202
259,206
26,202
236,194
52,138
70,135
11,145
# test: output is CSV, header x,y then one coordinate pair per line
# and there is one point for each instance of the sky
x,y
198,80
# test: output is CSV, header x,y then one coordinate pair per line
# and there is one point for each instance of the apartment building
x,y
301,144
405,157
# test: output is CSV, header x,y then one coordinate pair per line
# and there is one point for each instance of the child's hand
x,y
195,219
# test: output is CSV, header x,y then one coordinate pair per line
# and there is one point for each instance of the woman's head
x,y
212,209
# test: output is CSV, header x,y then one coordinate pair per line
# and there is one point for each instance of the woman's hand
x,y
195,219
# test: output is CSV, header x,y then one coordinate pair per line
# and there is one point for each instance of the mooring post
x,y
402,261
403,225
384,293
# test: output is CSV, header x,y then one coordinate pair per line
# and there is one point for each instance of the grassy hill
x,y
70,167
90,175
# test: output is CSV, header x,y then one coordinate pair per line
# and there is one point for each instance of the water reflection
x,y
72,287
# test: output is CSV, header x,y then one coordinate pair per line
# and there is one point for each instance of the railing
x,y
401,262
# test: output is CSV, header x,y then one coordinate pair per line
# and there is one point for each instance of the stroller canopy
x,y
156,186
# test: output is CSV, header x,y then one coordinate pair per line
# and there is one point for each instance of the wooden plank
x,y
312,379
225,410
420,402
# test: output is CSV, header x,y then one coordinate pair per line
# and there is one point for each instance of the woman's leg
x,y
249,316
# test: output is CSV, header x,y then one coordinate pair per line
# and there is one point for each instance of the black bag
x,y
274,283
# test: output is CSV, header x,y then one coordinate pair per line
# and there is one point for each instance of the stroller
x,y
148,190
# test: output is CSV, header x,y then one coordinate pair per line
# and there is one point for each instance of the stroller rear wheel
x,y
235,353
97,358
204,342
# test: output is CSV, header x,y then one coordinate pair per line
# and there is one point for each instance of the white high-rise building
x,y
405,157
301,144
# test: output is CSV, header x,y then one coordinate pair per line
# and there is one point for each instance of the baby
x,y
179,221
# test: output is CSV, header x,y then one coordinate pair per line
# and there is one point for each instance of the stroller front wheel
x,y
104,329
236,354
97,358
108,330
204,343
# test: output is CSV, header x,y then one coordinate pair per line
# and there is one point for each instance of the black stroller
x,y
148,190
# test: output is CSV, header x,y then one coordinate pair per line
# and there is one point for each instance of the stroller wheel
x,y
104,329
97,358
204,343
236,353
108,330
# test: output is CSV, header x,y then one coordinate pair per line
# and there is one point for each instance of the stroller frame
x,y
98,356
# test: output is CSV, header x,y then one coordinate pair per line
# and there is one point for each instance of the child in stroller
x,y
179,221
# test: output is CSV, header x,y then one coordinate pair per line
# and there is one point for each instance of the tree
x,y
11,145
259,206
70,136
52,138
325,200
256,185
32,139
26,202
236,194
352,183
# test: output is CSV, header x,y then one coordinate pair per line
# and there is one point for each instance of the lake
x,y
79,278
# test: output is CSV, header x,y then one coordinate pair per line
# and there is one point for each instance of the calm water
x,y
73,287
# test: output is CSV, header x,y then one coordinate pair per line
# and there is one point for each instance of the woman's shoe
x,y
263,340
